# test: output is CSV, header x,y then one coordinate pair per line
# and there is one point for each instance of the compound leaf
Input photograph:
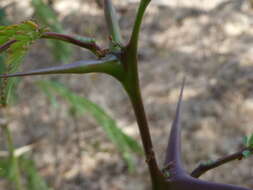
x,y
22,36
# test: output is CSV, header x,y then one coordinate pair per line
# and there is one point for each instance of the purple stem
x,y
92,46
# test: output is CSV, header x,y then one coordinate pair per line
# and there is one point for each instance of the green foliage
x,y
209,162
31,177
47,16
248,141
3,18
12,166
3,21
246,153
24,34
33,180
124,143
245,141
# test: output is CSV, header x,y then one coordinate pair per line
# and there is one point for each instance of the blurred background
x,y
209,42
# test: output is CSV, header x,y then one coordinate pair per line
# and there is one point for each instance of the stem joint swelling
x,y
150,156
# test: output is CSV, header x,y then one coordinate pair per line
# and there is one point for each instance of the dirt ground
x,y
209,42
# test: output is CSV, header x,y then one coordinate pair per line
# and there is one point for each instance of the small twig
x,y
6,45
92,46
202,168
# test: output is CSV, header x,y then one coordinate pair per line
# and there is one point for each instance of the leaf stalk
x,y
91,46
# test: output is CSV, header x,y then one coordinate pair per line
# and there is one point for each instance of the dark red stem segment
x,y
137,103
202,168
92,46
6,45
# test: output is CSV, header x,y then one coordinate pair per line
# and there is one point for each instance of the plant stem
x,y
92,46
13,160
137,25
202,168
156,175
112,24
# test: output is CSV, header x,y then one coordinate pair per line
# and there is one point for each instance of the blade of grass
x,y
124,143
34,180
13,170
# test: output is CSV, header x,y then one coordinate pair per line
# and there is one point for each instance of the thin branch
x,y
90,45
6,45
202,168
137,25
112,23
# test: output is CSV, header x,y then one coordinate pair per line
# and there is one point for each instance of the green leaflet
x,y
124,143
246,153
245,141
47,16
248,141
25,34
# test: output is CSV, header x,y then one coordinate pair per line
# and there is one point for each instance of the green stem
x,y
14,165
112,24
137,25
